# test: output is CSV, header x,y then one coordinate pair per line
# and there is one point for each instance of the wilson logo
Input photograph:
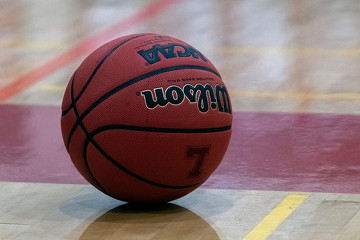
x,y
171,50
204,96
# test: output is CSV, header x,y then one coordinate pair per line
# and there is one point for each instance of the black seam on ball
x,y
147,129
95,71
134,175
159,130
78,119
89,136
135,80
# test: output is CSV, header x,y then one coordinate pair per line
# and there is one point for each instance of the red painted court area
x,y
268,151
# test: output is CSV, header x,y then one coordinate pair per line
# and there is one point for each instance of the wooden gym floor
x,y
292,170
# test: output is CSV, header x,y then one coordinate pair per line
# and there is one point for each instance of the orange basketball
x,y
146,118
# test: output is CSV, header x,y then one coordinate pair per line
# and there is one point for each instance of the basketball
x,y
146,118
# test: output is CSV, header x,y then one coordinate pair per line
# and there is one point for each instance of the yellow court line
x,y
294,95
28,44
271,222
229,49
236,93
52,88
295,51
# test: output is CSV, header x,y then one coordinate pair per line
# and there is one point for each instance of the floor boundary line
x,y
83,48
273,220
